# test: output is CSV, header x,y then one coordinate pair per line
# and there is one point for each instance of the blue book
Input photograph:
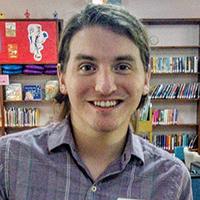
x,y
32,92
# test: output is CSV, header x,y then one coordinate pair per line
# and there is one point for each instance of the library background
x,y
28,82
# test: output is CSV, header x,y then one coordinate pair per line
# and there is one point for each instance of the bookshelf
x,y
1,109
25,55
176,41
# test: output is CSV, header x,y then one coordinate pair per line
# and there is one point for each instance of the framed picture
x,y
28,41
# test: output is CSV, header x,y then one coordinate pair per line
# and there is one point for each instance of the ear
x,y
61,80
147,82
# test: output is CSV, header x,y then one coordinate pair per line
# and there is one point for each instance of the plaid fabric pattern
x,y
43,164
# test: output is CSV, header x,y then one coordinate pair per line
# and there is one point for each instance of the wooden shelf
x,y
28,101
174,125
170,21
175,47
20,128
175,73
32,75
175,100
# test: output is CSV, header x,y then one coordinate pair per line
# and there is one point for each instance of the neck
x,y
99,149
99,145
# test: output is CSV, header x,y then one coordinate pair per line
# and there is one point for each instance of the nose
x,y
105,82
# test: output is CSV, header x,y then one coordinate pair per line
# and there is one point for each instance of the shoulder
x,y
167,174
161,160
27,138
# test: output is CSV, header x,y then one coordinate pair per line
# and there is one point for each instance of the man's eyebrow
x,y
85,57
125,58
117,58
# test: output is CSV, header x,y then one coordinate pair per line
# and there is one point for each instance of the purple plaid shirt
x,y
43,164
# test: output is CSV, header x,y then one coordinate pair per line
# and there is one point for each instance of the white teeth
x,y
105,103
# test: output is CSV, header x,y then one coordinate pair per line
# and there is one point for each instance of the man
x,y
91,152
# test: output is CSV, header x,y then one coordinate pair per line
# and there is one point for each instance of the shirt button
x,y
94,188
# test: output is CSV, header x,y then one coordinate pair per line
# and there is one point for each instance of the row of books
x,y
164,116
175,90
18,92
15,117
170,141
186,64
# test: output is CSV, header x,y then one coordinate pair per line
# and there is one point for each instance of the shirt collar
x,y
61,134
133,148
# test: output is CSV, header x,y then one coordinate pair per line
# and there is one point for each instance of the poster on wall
x,y
28,42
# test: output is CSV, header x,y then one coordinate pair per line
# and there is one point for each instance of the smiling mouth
x,y
106,104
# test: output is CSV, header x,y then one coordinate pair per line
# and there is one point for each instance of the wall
x,y
164,8
66,8
40,8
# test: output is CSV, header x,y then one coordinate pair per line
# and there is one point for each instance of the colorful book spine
x,y
176,91
168,64
21,117
170,141
164,116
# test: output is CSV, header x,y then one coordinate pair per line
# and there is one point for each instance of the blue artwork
x,y
36,38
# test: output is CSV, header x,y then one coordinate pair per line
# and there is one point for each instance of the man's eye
x,y
87,68
122,68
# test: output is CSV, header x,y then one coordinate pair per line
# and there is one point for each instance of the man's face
x,y
104,80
